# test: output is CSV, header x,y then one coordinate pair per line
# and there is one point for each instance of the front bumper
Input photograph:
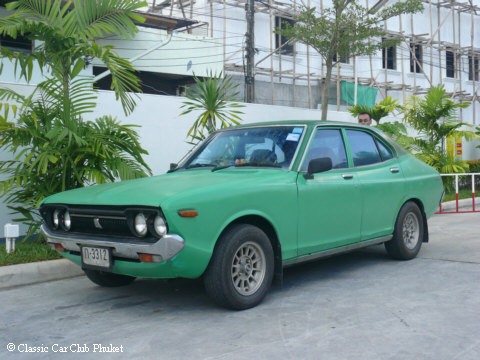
x,y
166,247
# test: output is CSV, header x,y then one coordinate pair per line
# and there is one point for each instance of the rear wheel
x,y
108,279
241,270
408,234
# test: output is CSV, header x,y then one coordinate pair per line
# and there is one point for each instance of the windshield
x,y
272,146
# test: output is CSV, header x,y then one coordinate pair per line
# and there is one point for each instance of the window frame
x,y
26,45
310,144
376,138
287,50
198,148
414,66
343,129
450,64
389,58
474,67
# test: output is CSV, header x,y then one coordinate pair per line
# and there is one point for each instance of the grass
x,y
462,194
27,252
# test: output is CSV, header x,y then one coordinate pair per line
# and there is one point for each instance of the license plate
x,y
94,257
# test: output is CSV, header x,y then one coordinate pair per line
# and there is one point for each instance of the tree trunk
x,y
210,127
326,89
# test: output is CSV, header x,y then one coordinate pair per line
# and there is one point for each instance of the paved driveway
x,y
362,305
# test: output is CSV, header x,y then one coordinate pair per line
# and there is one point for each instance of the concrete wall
x,y
163,133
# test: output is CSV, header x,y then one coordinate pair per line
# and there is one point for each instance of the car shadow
x,y
161,295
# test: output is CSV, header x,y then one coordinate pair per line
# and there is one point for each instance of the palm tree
x,y
214,97
434,117
55,148
379,111
68,31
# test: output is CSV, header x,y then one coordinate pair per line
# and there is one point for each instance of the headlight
x,y
160,226
67,222
140,224
56,218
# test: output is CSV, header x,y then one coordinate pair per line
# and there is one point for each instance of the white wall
x,y
163,131
182,54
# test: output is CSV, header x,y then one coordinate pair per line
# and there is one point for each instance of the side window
x,y
384,151
364,150
327,143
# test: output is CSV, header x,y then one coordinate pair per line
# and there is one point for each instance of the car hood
x,y
153,191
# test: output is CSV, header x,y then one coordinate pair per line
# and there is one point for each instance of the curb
x,y
463,204
37,272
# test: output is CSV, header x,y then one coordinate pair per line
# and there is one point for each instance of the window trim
x,y
447,52
375,139
472,74
310,142
278,37
385,57
416,67
23,40
213,135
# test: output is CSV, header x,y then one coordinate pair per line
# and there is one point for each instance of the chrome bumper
x,y
166,247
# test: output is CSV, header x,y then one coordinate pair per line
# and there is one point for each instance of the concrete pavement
x,y
32,273
361,305
37,272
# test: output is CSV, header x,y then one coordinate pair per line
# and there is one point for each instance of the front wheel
x,y
107,279
408,234
241,269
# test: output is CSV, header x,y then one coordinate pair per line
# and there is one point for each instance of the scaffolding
x,y
439,12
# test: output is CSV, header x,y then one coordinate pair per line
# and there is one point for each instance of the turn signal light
x,y
59,247
188,213
149,258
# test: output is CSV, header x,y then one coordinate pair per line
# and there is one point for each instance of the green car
x,y
247,202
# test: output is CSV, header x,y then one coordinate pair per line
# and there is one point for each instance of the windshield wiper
x,y
222,167
260,164
191,166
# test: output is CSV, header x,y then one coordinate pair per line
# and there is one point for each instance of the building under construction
x,y
441,45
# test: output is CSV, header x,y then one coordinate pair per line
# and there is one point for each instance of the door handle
x,y
394,170
347,176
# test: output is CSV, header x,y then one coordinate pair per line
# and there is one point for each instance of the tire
x,y
241,269
408,233
107,279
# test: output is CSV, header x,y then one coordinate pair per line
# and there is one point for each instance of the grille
x,y
85,224
99,221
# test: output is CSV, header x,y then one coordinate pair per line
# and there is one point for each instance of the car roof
x,y
313,123
295,122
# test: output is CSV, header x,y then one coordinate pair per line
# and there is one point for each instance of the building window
x,y
343,59
473,68
418,51
21,43
281,23
450,61
389,57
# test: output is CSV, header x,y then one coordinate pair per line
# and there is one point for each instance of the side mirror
x,y
317,166
173,166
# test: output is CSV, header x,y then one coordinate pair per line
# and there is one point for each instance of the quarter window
x,y
363,147
327,143
385,153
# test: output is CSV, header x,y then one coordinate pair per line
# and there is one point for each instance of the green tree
x,y
434,118
215,98
379,111
54,148
344,30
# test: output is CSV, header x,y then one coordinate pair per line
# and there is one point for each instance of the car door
x,y
329,204
380,180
